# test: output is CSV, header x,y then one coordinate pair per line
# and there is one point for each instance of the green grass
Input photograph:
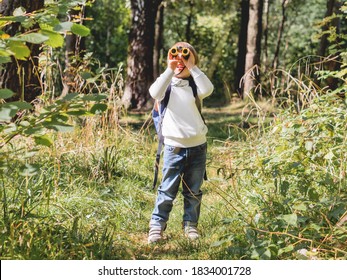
x,y
90,197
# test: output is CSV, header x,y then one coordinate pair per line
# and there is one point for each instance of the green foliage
x,y
290,186
109,27
50,31
70,204
16,116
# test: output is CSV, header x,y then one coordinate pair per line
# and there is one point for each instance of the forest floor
x,y
92,200
227,124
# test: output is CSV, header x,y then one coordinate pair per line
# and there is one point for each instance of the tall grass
x,y
286,187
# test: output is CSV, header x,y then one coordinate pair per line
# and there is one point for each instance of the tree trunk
x,y
254,32
333,7
242,46
324,39
140,56
275,61
189,21
266,31
158,40
21,76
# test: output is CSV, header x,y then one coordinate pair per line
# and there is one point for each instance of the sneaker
x,y
155,235
191,232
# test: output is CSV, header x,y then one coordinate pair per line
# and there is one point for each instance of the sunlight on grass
x,y
89,197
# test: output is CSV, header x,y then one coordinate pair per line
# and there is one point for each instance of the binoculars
x,y
184,51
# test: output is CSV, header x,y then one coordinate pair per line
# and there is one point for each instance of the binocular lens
x,y
173,51
184,51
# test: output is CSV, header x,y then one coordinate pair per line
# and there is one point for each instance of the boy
x,y
184,132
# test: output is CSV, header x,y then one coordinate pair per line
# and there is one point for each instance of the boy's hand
x,y
172,62
190,62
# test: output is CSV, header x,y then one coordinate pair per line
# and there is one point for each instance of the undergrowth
x,y
276,188
288,187
278,194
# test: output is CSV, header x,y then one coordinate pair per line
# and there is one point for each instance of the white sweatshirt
x,y
182,124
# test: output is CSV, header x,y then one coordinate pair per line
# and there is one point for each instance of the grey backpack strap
x,y
161,109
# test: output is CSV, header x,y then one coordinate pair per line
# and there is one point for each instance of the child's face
x,y
181,70
181,64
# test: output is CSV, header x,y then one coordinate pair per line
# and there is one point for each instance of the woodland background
x,y
77,145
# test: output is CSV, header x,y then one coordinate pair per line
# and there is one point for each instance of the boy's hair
x,y
190,47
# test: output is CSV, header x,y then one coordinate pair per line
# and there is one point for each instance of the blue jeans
x,y
186,165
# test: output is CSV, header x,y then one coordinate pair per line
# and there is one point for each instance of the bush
x,y
291,186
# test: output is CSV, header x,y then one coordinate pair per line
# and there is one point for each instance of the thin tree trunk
x,y
265,31
324,39
333,6
254,32
158,40
275,61
242,46
189,21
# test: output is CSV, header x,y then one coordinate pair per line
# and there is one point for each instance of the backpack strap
x,y
197,99
161,109
198,104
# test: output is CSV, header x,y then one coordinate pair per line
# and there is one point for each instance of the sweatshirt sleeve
x,y
158,88
203,83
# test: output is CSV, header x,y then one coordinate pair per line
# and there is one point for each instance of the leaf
x,y
58,126
5,53
55,40
98,108
94,97
34,130
300,207
4,59
86,75
5,36
329,155
80,112
290,219
309,145
63,26
261,253
20,11
70,96
34,38
6,93
80,30
29,169
287,249
19,50
43,140
22,105
6,114
9,110
10,128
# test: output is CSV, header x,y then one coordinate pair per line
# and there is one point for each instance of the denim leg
x,y
192,180
173,165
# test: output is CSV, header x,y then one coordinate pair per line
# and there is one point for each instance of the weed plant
x,y
287,189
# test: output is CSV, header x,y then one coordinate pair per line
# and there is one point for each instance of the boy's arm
x,y
158,88
204,85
